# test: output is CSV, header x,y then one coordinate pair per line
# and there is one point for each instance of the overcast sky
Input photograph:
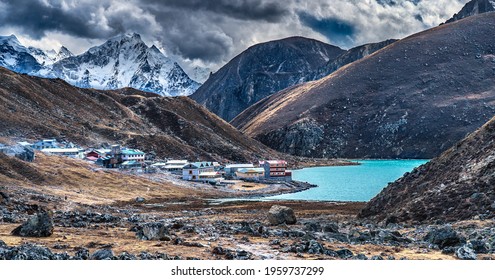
x,y
210,33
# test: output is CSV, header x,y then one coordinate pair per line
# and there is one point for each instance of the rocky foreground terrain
x,y
76,212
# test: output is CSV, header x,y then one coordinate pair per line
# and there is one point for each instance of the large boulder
x,y
39,225
444,237
153,231
280,215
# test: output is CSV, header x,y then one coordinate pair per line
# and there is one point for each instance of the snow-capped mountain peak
x,y
12,41
125,61
122,61
15,56
62,54
46,58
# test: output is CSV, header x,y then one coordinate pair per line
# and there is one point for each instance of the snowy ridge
x,y
122,61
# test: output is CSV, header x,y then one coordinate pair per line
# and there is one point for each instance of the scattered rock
x,y
331,227
345,253
312,226
361,257
313,247
280,215
219,251
153,231
377,258
478,246
82,254
40,225
465,253
126,256
103,254
140,199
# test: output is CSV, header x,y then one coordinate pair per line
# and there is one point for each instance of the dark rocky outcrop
x,y
369,108
261,70
280,215
457,185
39,225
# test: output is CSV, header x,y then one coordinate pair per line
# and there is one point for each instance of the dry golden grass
x,y
83,182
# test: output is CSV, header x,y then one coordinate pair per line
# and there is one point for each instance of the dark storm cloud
x,y
336,30
271,11
36,18
212,32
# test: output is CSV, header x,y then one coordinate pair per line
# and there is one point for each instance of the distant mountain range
x,y
267,68
411,99
122,61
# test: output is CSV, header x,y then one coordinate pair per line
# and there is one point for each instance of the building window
x,y
190,172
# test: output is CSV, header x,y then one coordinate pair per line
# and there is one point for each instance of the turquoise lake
x,y
349,183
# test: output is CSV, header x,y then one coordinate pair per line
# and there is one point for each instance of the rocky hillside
x,y
168,126
349,56
457,185
261,70
412,99
472,8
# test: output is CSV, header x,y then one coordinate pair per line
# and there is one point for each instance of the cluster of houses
x,y
116,156
275,170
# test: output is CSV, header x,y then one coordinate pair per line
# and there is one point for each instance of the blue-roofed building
x,y
133,155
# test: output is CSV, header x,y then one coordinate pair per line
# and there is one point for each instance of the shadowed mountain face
x,y
168,126
412,99
472,8
267,68
457,185
261,70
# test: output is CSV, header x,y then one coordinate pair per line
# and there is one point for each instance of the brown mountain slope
x,y
261,70
412,99
459,184
171,127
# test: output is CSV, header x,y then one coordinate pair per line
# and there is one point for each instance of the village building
x,y
175,166
231,169
46,144
201,171
92,155
133,155
276,170
255,174
71,152
131,164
